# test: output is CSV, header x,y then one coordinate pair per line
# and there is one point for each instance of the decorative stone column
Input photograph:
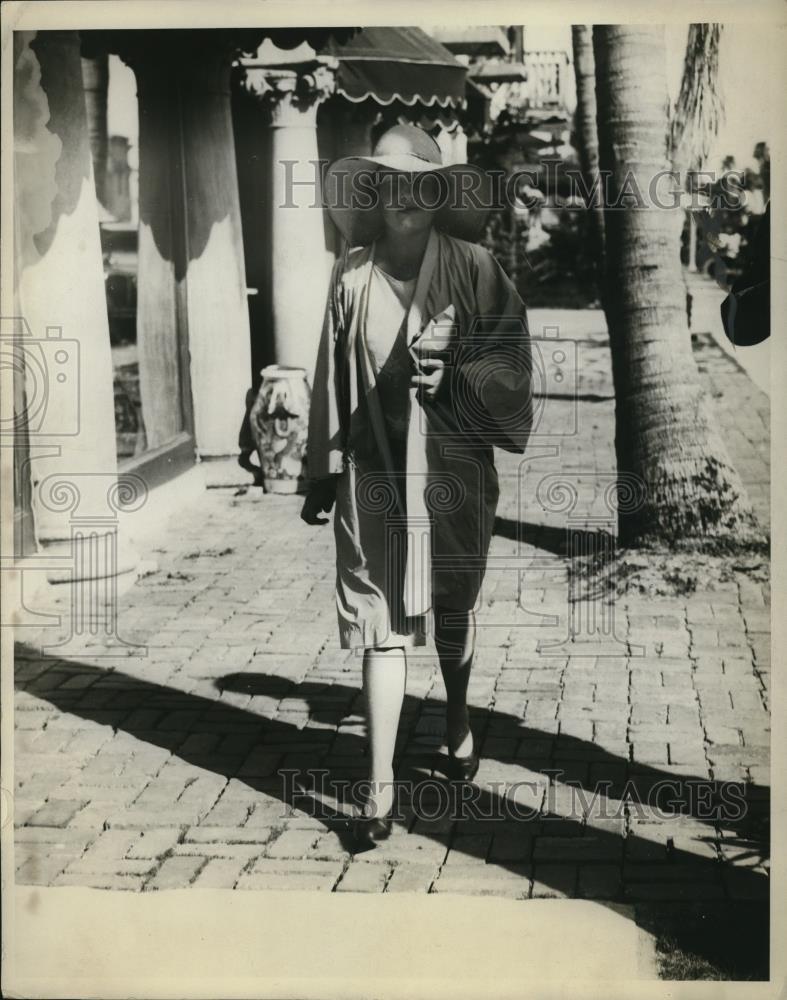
x,y
299,253
61,337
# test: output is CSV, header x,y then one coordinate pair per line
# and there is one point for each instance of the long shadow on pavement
x,y
558,852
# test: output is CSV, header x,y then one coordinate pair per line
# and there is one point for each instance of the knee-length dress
x,y
416,488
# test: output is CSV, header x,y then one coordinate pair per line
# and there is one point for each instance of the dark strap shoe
x,y
463,768
370,830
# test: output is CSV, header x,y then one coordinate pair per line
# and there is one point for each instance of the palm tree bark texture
x,y
587,138
666,433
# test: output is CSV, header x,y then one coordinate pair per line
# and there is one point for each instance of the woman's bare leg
x,y
455,644
384,677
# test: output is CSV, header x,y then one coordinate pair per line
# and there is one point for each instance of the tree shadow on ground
x,y
531,840
549,538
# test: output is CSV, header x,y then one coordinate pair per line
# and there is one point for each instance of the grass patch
x,y
709,941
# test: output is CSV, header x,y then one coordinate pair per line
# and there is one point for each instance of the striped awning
x,y
398,64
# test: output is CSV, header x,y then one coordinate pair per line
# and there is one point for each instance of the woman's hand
x,y
429,377
320,498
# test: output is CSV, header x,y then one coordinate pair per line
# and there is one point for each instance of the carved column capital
x,y
291,94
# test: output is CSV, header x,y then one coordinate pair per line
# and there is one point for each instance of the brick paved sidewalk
x,y
154,771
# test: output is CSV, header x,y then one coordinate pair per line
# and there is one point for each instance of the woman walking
x,y
423,366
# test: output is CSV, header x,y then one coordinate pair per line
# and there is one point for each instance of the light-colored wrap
x,y
413,525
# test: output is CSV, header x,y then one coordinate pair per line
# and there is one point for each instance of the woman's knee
x,y
390,652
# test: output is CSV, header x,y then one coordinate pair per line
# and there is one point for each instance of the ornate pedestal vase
x,y
279,424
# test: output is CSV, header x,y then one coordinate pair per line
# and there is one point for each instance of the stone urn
x,y
279,424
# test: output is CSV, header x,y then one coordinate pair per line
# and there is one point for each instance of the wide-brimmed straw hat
x,y
350,190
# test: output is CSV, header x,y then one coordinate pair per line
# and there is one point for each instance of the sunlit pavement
x,y
158,765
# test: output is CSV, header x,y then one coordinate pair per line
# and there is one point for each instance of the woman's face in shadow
x,y
408,201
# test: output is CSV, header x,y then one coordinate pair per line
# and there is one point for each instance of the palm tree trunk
x,y
666,434
587,135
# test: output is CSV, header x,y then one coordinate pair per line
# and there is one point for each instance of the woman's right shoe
x,y
463,768
371,830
